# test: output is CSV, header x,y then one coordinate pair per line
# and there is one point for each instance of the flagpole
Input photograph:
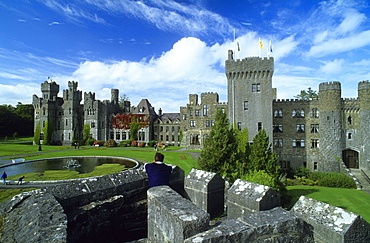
x,y
259,47
234,44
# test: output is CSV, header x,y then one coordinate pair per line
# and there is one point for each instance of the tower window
x,y
298,143
314,143
314,113
278,127
259,126
197,112
245,105
239,126
349,120
192,123
349,135
278,113
205,110
256,87
300,128
278,142
314,128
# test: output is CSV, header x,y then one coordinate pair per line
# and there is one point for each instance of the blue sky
x,y
165,50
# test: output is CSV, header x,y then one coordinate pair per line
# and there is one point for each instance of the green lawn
x,y
183,160
352,200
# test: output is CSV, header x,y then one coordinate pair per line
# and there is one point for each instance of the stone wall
x,y
120,208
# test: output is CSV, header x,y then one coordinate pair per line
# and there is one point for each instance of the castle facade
x,y
315,134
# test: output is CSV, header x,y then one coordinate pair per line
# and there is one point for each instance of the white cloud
x,y
333,67
12,94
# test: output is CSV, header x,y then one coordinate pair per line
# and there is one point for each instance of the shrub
x,y
134,143
90,141
151,143
98,142
261,177
111,143
302,172
332,179
142,144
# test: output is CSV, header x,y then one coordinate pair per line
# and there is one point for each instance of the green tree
x,y
262,157
307,95
48,132
37,134
219,152
86,133
134,128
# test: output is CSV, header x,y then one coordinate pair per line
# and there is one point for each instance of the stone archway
x,y
350,158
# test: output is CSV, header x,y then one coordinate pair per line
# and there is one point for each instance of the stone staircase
x,y
363,178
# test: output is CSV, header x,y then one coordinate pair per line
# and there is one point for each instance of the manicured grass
x,y
352,200
50,175
183,160
5,194
16,149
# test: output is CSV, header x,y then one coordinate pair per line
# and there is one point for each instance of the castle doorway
x,y
350,158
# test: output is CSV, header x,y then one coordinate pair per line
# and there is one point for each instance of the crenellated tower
x,y
364,99
331,140
250,93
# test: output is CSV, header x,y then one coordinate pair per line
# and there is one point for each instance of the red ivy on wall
x,y
123,121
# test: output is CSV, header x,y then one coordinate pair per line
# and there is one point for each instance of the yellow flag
x,y
261,44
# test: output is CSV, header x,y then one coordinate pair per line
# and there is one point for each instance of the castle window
x,y
278,113
300,128
314,128
349,135
314,143
184,117
285,164
93,125
278,127
194,140
256,87
118,136
205,110
222,109
43,124
161,137
197,112
124,136
239,126
173,129
209,123
191,112
167,129
278,142
66,122
298,143
43,111
143,136
315,166
70,110
314,113
349,120
173,138
112,135
259,126
192,123
245,105
298,113
161,128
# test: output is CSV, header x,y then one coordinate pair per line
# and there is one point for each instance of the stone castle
x,y
318,134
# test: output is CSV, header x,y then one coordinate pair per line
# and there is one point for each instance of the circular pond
x,y
81,164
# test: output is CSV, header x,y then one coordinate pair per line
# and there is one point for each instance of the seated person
x,y
158,172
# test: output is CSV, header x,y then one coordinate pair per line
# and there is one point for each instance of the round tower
x,y
364,99
330,126
114,96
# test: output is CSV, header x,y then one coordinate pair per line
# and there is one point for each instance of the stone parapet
x,y
172,218
330,223
245,198
206,190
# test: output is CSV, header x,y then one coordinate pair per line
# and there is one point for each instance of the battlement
x,y
89,96
49,87
291,101
72,85
333,85
250,64
364,85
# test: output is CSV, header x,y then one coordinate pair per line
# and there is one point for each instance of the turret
x,y
330,126
250,93
364,98
114,96
49,90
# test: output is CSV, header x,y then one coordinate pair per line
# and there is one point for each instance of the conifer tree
x,y
86,134
36,137
219,151
261,156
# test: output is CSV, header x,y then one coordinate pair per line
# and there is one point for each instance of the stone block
x,y
206,190
278,225
245,198
33,217
172,218
177,179
230,230
330,223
